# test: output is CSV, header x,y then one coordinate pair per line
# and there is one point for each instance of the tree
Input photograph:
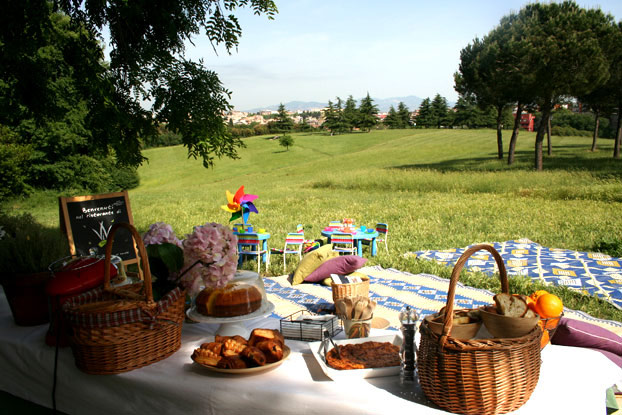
x,y
391,119
341,125
469,114
147,64
439,110
565,56
283,121
55,98
286,141
403,115
350,113
330,118
425,117
368,112
490,73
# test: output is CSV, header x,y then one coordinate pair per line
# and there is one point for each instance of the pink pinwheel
x,y
240,205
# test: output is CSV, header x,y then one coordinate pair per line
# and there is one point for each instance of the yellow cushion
x,y
311,261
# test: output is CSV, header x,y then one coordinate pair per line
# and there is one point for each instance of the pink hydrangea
x,y
160,233
217,247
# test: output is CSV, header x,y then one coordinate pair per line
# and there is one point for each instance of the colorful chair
x,y
249,244
383,234
335,224
293,245
343,243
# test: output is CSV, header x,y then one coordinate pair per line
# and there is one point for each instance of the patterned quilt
x,y
392,289
588,272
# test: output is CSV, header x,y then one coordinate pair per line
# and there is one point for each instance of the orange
x,y
549,306
537,294
545,339
531,304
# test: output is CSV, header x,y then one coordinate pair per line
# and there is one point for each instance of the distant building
x,y
527,121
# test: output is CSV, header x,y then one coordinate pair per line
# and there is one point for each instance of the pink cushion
x,y
340,265
582,334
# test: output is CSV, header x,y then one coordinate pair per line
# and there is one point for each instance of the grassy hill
x,y
436,189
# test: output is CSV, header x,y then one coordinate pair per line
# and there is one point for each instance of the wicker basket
x,y
351,289
121,329
477,376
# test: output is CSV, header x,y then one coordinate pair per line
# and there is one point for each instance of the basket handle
x,y
143,256
449,308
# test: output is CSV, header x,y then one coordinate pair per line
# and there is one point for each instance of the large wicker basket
x,y
120,329
477,376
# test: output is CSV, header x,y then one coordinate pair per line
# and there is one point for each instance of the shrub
x,y
27,246
569,131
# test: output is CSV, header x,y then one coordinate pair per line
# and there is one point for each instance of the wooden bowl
x,y
504,327
457,331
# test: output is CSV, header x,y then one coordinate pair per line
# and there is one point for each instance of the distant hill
x,y
411,101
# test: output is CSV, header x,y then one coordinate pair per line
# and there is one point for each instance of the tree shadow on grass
x,y
563,158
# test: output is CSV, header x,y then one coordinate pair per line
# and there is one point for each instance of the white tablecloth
x,y
572,381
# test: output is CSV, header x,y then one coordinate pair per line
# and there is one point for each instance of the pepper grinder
x,y
408,319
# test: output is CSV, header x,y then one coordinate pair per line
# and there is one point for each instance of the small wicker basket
x,y
120,329
477,376
352,289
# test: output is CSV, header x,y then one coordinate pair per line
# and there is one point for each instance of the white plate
x,y
335,374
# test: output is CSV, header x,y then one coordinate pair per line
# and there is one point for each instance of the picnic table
x,y
369,234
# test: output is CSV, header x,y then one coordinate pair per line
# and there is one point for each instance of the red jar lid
x,y
78,276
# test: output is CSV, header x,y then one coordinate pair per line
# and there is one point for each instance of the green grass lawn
x,y
436,189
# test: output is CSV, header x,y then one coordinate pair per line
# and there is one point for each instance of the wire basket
x,y
305,326
477,376
351,289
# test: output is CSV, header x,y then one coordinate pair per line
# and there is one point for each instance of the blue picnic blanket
x,y
392,289
587,272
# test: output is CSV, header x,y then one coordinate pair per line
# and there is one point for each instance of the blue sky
x,y
318,50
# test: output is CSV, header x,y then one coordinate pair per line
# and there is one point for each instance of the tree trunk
x,y
546,113
596,125
618,141
499,132
515,130
549,150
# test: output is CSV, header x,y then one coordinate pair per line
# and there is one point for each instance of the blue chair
x,y
249,244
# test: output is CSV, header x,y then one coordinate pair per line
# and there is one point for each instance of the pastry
x,y
214,347
272,349
259,335
206,357
253,356
232,300
237,338
232,347
232,362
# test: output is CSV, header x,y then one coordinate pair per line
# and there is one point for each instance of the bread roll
x,y
510,305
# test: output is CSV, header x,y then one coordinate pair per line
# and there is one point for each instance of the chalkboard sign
x,y
87,221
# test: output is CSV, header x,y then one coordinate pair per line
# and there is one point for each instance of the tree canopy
x,y
541,54
57,90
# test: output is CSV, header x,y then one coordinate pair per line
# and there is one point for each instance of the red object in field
x,y
76,277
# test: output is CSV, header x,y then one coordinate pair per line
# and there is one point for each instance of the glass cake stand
x,y
230,326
